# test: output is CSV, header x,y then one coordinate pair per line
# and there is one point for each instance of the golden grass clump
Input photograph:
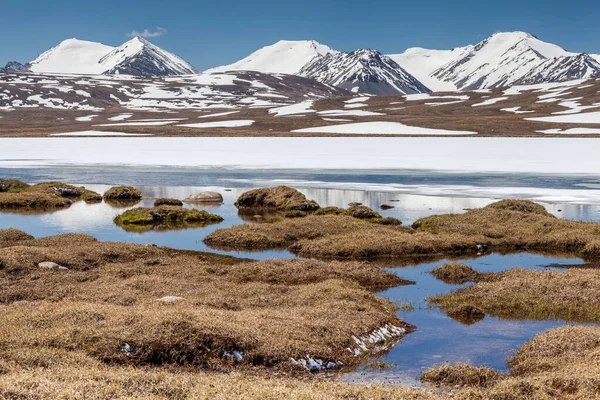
x,y
461,375
167,202
571,295
280,198
510,225
106,305
455,273
17,195
122,193
165,218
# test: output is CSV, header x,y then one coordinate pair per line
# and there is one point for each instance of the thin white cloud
x,y
160,31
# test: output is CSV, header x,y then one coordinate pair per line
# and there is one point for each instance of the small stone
x,y
51,265
386,207
170,299
258,216
205,197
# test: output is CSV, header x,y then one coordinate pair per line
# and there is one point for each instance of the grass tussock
x,y
168,202
105,306
122,193
461,375
280,198
454,273
571,295
510,225
165,218
17,195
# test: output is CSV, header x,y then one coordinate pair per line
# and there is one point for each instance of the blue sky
x,y
211,33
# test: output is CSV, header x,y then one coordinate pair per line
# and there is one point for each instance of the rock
x,y
354,204
170,299
386,207
205,197
258,216
51,265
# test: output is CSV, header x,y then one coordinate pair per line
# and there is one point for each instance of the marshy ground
x,y
136,321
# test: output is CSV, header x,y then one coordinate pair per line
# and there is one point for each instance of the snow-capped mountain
x,y
15,67
363,71
580,66
136,57
72,56
421,63
285,57
139,57
501,60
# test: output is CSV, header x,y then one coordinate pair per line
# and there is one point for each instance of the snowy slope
x,y
72,56
500,60
363,71
580,66
286,57
421,63
139,57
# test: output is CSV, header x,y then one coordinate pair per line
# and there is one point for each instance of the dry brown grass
x,y
513,225
271,310
165,217
455,273
19,196
461,375
571,295
122,193
168,202
74,376
280,198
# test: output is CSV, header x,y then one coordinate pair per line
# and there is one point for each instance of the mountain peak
x,y
284,56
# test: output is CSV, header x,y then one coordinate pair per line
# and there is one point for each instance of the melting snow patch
x,y
355,105
516,110
381,128
585,118
336,120
378,336
120,117
489,102
357,100
221,124
237,355
99,133
444,103
572,131
298,108
315,364
348,113
87,118
427,96
147,123
218,114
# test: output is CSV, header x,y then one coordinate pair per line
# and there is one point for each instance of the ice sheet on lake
x,y
461,154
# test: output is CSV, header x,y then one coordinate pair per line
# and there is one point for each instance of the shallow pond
x,y
437,339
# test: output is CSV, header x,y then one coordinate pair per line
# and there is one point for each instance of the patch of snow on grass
x,y
298,108
221,124
120,117
357,100
427,96
572,131
355,105
147,123
489,102
516,110
381,128
585,118
99,134
444,103
86,118
349,113
218,114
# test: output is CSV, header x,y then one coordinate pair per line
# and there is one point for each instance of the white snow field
x,y
381,128
461,154
298,108
572,131
100,134
490,102
220,124
583,118
218,114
